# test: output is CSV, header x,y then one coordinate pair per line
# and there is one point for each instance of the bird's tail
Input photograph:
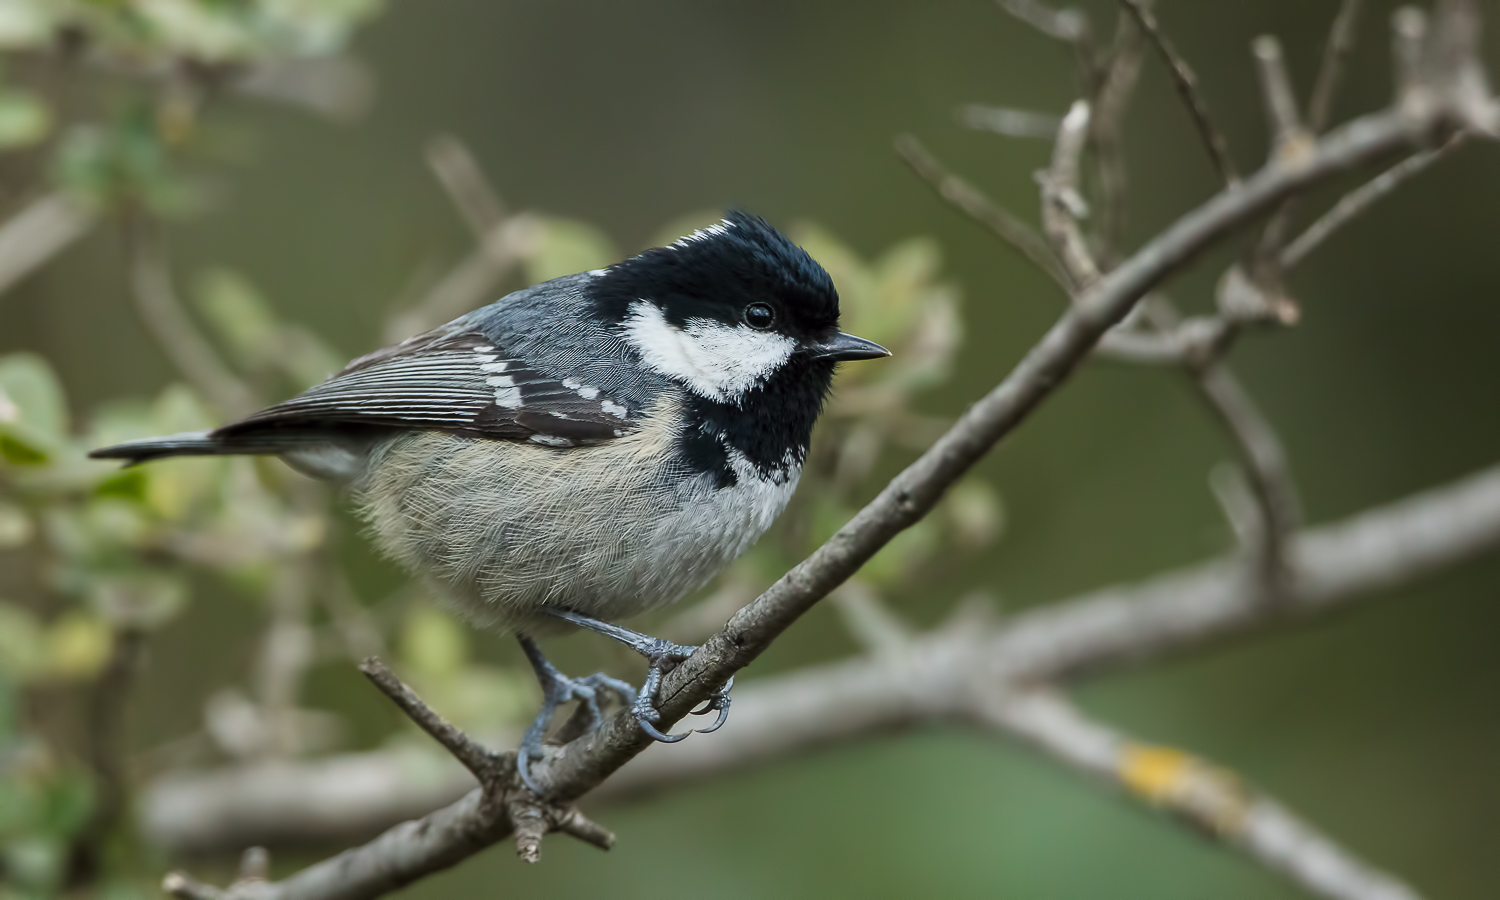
x,y
201,443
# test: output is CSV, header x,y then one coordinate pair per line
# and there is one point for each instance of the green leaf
x,y
24,119
32,398
16,449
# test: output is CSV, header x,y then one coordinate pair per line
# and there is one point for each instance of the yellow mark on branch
x,y
1204,794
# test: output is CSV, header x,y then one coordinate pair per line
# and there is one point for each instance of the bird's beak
x,y
847,346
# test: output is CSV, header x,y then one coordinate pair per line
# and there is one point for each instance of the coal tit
x,y
585,449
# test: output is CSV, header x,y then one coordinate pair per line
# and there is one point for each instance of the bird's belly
x,y
607,530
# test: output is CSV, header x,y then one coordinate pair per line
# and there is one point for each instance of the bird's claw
x,y
558,689
720,702
644,708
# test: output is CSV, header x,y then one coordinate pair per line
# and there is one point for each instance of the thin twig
x,y
502,241
1062,205
474,756
1362,198
470,191
1269,474
977,206
1187,87
1070,26
1019,123
1288,137
1106,126
1341,38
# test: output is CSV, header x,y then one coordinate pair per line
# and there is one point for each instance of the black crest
x,y
718,271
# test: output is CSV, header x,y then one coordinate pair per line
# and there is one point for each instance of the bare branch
x,y
156,302
982,209
1362,198
1068,25
502,241
1340,43
782,715
1269,475
1205,795
479,760
1288,134
1186,83
1019,123
1336,52
42,229
1107,125
1063,205
463,179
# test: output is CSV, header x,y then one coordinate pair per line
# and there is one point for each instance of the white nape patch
x,y
598,273
717,361
702,234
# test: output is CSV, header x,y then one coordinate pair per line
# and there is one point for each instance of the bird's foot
x,y
665,658
558,689
661,657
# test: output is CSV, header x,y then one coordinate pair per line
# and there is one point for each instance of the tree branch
x,y
1362,198
978,207
1335,53
1212,799
1186,83
783,715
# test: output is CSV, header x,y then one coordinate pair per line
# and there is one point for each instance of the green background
x,y
1381,726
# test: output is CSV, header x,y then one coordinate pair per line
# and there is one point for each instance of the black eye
x,y
760,315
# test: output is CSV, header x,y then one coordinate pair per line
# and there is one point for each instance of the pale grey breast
x,y
608,530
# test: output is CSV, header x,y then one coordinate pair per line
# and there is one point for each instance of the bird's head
x,y
728,310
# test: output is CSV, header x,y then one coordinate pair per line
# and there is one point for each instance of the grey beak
x,y
846,346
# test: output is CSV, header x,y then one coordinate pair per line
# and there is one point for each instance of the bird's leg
x,y
662,657
557,689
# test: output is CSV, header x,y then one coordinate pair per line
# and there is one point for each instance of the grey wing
x,y
456,381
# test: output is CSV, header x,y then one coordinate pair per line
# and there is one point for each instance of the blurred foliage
x,y
100,556
102,100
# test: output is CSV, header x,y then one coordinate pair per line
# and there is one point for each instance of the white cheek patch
x,y
714,360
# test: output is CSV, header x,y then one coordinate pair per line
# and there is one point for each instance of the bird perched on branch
x,y
582,450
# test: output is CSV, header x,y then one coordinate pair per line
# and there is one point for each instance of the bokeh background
x,y
1381,725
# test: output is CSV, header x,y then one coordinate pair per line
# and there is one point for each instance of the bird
x,y
582,450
